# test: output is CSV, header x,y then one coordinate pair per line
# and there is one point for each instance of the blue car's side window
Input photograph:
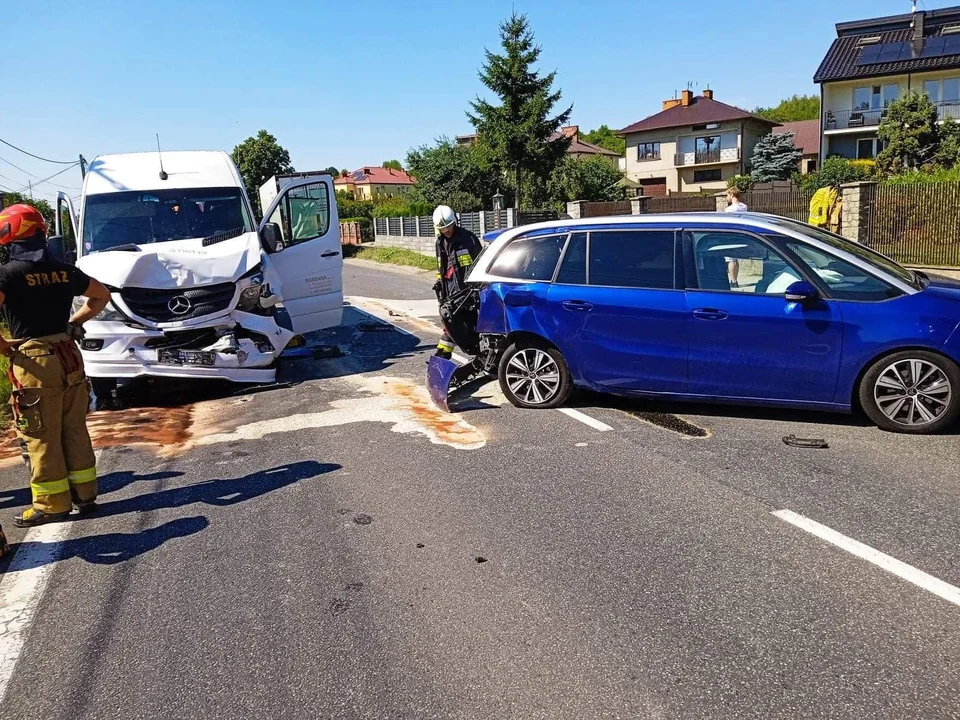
x,y
632,259
573,268
844,280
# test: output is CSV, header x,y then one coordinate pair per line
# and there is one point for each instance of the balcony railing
x,y
704,157
845,119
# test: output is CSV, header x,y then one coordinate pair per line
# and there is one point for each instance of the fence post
x,y
575,209
721,201
511,217
639,205
855,212
483,223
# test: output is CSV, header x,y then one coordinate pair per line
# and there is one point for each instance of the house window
x,y
946,91
861,98
648,151
708,149
708,126
867,148
890,93
702,176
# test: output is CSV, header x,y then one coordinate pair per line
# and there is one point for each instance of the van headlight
x,y
108,314
250,295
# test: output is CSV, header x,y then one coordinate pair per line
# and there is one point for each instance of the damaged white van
x,y
198,289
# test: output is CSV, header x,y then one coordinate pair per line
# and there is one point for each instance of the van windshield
x,y
111,220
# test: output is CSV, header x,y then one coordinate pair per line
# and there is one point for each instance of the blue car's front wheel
x,y
913,391
533,376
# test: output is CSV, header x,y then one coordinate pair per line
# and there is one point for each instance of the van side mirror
x,y
271,237
801,292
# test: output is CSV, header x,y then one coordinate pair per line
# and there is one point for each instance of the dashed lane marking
x,y
938,587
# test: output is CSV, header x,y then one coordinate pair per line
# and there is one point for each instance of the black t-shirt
x,y
38,296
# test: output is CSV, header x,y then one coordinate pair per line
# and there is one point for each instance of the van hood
x,y
175,264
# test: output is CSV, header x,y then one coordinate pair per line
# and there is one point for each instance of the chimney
x,y
708,94
571,131
667,104
917,25
686,97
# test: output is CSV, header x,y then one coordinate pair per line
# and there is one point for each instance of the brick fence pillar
x,y
639,205
855,215
575,209
721,199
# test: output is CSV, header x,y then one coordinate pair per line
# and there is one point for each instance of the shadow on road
x,y
106,549
218,492
110,548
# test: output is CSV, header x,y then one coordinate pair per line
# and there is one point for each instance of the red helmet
x,y
20,222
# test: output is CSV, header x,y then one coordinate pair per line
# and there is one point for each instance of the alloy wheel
x,y
913,392
533,376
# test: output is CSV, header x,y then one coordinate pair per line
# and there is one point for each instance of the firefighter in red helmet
x,y
50,396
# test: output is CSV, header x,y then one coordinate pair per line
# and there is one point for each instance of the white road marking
x,y
21,590
585,419
938,587
22,587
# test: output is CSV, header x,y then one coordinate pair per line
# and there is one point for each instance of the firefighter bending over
x,y
457,248
50,395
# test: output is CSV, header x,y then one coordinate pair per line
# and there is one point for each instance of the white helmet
x,y
444,216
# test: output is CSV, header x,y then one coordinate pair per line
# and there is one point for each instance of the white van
x,y
198,289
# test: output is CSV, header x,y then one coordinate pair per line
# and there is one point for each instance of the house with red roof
x,y
694,144
368,183
806,139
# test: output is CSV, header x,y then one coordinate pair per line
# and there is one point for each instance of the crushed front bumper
x,y
243,348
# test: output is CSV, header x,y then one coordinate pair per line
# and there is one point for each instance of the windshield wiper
x,y
127,247
222,235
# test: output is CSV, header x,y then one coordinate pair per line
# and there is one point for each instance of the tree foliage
x,y
454,175
606,138
743,183
516,133
392,165
834,172
792,109
594,178
910,133
333,171
260,158
775,157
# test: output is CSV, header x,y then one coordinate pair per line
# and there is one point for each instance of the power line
x,y
18,167
47,179
55,162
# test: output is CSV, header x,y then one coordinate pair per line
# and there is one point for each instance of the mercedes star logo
x,y
179,305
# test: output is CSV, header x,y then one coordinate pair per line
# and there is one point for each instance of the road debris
x,y
813,443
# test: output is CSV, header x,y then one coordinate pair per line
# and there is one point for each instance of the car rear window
x,y
532,258
632,258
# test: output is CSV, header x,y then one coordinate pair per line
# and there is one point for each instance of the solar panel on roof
x,y
869,55
890,52
951,45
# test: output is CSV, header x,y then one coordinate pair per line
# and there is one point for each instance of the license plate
x,y
188,357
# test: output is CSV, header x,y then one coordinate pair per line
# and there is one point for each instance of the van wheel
x,y
913,391
534,376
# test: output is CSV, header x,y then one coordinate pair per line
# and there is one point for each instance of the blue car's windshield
x,y
861,252
140,218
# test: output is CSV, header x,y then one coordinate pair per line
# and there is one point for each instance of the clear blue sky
x,y
355,83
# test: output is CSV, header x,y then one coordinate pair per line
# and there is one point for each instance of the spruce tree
x,y
774,158
516,133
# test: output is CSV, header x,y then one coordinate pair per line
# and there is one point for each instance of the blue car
x,y
729,308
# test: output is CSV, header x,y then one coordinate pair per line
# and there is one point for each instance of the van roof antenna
x,y
163,174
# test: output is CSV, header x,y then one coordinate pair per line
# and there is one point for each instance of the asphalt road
x,y
334,547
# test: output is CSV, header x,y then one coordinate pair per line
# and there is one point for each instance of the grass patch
x,y
391,256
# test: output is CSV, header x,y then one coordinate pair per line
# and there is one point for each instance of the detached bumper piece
x,y
440,372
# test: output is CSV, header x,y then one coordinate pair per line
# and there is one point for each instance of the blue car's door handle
x,y
581,305
710,314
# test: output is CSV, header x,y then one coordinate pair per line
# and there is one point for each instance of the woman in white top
x,y
734,205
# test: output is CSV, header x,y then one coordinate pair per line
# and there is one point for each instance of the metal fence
x,y
604,209
793,204
689,203
475,222
528,217
914,224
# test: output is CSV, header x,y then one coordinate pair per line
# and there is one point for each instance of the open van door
x,y
310,264
65,206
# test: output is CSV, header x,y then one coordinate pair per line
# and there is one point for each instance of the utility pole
x,y
30,185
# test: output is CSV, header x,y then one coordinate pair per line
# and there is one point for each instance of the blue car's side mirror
x,y
801,292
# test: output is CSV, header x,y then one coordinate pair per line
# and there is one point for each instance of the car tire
x,y
549,385
912,391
